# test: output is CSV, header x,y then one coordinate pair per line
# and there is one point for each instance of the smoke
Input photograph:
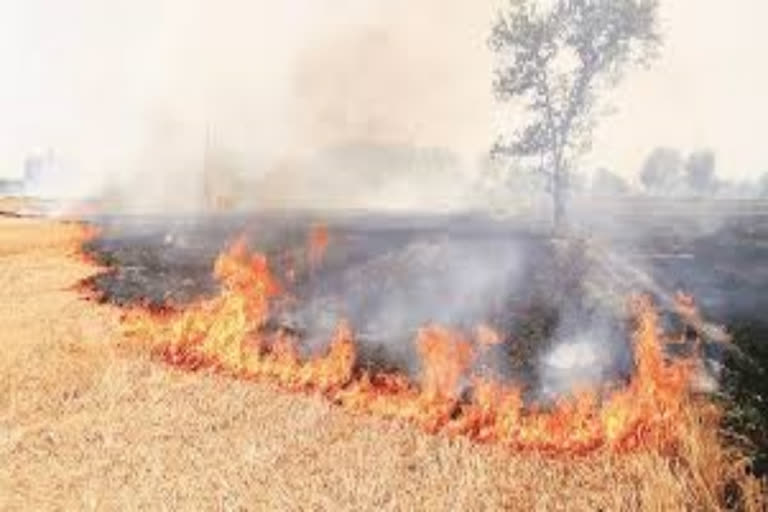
x,y
584,361
389,296
181,106
159,105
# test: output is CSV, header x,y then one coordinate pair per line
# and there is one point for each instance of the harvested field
x,y
89,421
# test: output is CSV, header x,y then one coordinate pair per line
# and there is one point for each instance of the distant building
x,y
35,167
46,177
41,174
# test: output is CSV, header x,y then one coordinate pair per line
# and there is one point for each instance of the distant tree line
x,y
668,172
10,187
554,61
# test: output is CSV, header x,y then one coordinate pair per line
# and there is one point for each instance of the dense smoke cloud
x,y
136,91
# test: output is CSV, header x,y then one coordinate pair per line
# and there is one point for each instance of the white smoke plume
x,y
138,100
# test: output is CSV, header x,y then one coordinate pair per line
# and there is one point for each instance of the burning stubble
x,y
235,333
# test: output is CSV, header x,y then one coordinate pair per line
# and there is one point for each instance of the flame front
x,y
230,333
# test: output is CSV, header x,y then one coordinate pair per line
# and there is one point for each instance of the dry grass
x,y
87,423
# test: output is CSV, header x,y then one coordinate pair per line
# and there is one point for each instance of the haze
x,y
126,88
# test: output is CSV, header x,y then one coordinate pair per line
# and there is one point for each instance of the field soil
x,y
88,421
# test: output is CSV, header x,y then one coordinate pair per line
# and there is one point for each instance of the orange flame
x,y
229,332
486,336
446,357
318,244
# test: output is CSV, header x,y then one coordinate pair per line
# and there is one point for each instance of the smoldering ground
x,y
560,308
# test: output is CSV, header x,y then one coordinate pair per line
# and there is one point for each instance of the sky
x,y
134,87
707,90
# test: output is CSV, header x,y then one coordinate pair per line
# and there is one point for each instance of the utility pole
x,y
216,195
209,184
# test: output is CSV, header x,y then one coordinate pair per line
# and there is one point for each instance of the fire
x,y
446,356
233,333
317,243
487,336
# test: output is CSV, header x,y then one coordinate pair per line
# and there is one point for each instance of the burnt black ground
x,y
389,274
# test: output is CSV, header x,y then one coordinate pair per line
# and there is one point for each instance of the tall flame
x,y
229,332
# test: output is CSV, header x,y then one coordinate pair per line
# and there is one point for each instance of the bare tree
x,y
555,57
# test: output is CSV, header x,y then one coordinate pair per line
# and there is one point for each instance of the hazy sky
x,y
114,86
707,90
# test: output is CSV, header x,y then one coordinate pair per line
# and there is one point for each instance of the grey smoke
x,y
453,282
147,100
